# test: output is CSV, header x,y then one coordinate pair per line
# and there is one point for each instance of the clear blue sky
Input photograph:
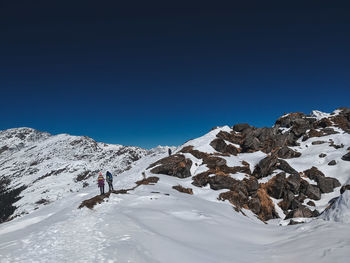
x,y
149,73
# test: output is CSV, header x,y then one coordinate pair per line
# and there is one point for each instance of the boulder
x,y
237,198
300,212
326,184
275,187
301,197
201,179
254,205
313,173
220,146
284,166
295,203
241,127
265,167
293,182
251,184
288,197
250,144
303,187
175,165
218,182
333,162
287,153
300,126
313,192
322,155
346,157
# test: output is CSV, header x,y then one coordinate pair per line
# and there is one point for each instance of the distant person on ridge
x,y
101,183
109,178
169,151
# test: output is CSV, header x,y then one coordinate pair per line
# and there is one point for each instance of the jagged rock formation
x,y
255,165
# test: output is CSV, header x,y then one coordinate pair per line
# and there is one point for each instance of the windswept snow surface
x,y
155,223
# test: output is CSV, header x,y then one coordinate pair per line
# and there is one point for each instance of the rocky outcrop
x,y
175,165
271,163
287,153
325,184
182,189
289,187
220,146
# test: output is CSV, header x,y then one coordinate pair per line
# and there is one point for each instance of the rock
x,y
303,186
183,189
294,183
325,184
276,186
265,167
300,126
175,165
318,142
241,127
251,184
201,179
237,198
322,155
218,182
288,197
220,146
287,153
333,162
284,166
344,188
313,173
250,144
301,197
295,204
313,192
346,157
311,203
300,212
254,205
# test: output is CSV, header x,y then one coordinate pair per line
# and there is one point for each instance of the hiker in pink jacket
x,y
101,183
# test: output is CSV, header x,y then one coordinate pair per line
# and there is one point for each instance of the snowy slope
x,y
158,224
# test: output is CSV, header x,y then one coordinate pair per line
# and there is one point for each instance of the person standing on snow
x,y
169,151
101,183
109,178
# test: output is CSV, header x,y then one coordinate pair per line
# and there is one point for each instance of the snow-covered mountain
x,y
41,168
208,202
291,170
